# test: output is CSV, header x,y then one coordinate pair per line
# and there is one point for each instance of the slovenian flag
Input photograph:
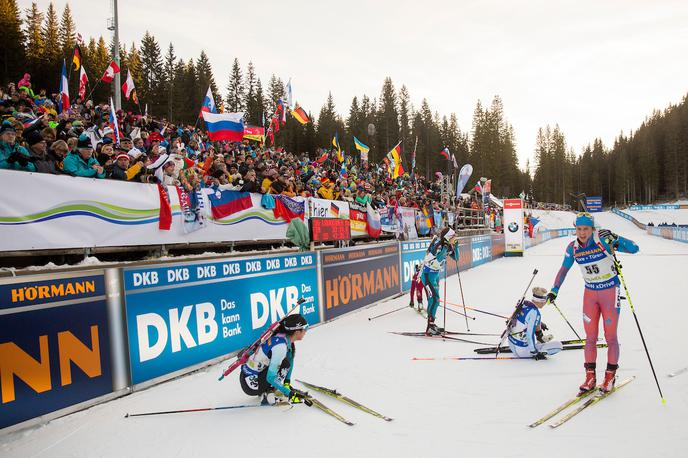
x,y
208,104
64,89
224,126
226,203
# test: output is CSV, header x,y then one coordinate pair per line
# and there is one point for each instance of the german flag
x,y
76,60
300,115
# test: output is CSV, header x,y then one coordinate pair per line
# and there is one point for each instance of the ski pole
x,y
564,317
463,301
516,311
617,264
387,313
467,358
478,310
201,409
459,313
446,267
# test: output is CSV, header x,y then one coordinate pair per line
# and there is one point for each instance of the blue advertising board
x,y
412,254
54,344
481,250
180,315
593,204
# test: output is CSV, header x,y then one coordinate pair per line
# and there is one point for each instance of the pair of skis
x,y
444,335
591,398
567,345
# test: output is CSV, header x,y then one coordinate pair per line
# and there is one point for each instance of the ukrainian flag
x,y
335,143
361,146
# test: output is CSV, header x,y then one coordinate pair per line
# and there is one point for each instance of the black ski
x,y
435,337
336,395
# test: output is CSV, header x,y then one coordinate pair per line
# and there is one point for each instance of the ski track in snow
x,y
440,408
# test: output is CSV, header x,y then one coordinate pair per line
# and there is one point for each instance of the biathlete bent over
x,y
268,371
435,258
526,337
592,251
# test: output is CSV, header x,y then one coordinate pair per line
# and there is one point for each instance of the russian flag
x,y
224,126
225,203
113,120
288,209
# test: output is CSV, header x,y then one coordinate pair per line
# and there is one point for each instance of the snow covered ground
x,y
441,408
660,216
553,219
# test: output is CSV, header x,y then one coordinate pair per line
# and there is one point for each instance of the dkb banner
x,y
356,277
179,315
54,344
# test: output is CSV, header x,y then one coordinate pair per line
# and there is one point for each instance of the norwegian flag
x,y
110,72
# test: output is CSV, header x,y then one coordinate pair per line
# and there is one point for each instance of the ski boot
x,y
432,329
420,306
590,379
411,304
268,399
609,378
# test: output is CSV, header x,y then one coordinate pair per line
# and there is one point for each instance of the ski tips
x,y
126,415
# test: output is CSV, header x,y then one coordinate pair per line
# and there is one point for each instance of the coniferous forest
x,y
645,165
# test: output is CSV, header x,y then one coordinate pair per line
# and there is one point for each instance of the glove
x,y
18,157
544,327
551,296
539,356
298,396
608,236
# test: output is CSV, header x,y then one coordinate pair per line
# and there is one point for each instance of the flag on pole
x,y
76,60
300,115
290,97
456,164
64,89
113,120
208,104
110,72
395,167
128,86
335,143
445,153
83,80
362,147
464,175
282,111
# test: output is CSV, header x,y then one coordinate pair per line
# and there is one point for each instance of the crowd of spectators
x,y
81,142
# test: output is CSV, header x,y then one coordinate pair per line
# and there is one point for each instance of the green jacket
x,y
7,150
75,165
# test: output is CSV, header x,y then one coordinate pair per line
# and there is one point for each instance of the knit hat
x,y
33,137
539,294
122,156
84,142
7,127
584,219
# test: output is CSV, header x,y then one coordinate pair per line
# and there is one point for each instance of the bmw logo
x,y
513,227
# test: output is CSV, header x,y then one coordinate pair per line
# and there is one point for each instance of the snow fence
x,y
74,339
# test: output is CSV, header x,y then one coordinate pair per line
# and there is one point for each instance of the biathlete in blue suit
x,y
442,245
268,371
527,338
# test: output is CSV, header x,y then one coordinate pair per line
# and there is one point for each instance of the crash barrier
x,y
543,236
70,340
680,234
655,207
69,213
630,218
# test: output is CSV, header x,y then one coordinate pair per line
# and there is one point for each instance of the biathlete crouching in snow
x,y
526,337
267,372
417,288
592,250
435,258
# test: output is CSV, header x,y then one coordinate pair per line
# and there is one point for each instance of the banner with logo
x,y
54,344
655,207
63,212
355,277
358,220
323,208
408,218
513,227
180,315
593,204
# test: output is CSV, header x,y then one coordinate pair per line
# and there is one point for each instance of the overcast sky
x,y
594,67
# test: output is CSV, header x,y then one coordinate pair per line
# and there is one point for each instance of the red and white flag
x,y
110,72
128,86
83,79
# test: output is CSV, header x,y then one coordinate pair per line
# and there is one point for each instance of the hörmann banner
x,y
181,315
355,277
54,344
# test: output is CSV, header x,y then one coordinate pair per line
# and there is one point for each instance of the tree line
x,y
643,166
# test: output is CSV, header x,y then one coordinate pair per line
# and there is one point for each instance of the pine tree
x,y
152,81
254,109
35,46
67,33
327,123
53,51
405,114
275,92
168,71
388,117
204,75
235,89
12,39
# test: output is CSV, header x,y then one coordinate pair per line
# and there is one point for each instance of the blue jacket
x,y
75,165
6,150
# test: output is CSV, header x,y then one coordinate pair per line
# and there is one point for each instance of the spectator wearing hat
x,y
82,163
12,155
38,149
105,154
121,169
56,153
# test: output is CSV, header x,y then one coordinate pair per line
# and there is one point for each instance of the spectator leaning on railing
x,y
82,163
